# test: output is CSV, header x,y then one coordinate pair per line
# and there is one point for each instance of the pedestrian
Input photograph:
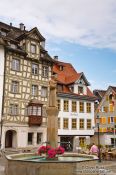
x,y
94,149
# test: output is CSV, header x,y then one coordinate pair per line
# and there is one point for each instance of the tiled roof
x,y
100,92
68,76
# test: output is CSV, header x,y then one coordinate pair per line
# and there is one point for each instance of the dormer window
x,y
33,48
61,68
80,90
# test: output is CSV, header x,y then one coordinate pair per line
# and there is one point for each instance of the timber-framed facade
x,y
26,69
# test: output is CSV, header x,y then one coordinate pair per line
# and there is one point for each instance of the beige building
x,y
25,71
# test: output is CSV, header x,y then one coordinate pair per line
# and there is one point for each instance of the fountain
x,y
32,164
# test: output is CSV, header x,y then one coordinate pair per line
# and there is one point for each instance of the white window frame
x,y
45,71
15,64
14,109
34,69
44,91
15,87
34,90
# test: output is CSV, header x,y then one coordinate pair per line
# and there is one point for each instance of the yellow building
x,y
106,110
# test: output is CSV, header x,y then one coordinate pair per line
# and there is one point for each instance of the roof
x,y
68,76
100,92
113,88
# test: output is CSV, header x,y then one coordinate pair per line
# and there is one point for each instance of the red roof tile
x,y
68,76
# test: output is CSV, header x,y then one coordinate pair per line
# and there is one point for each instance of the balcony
x,y
35,120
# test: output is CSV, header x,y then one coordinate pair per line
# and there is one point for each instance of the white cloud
x,y
90,23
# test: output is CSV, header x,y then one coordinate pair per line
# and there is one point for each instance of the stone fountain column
x,y
52,115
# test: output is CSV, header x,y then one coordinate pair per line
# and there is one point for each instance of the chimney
x,y
56,58
10,24
21,26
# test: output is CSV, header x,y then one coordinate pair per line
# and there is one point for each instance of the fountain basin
x,y
31,164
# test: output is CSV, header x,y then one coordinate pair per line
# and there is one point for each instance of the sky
x,y
81,32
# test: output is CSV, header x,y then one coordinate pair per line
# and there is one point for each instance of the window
x,y
58,103
34,69
81,123
30,138
88,123
103,120
34,110
15,65
74,106
111,107
80,90
74,123
15,87
66,105
34,90
65,123
61,68
14,110
33,48
39,138
60,87
81,106
45,71
82,141
88,107
44,91
111,119
58,123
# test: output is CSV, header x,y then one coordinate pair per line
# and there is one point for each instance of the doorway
x,y
11,139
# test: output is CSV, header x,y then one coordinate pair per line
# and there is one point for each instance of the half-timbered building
x,y
25,71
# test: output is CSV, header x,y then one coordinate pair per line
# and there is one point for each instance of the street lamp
x,y
98,122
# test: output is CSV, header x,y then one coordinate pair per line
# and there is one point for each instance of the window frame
x,y
14,109
74,123
14,63
81,106
65,123
34,69
33,48
45,71
34,92
89,123
81,123
66,105
45,92
14,87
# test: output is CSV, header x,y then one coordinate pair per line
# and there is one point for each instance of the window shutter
x,y
108,120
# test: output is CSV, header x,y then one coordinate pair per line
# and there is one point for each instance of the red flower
x,y
60,150
51,153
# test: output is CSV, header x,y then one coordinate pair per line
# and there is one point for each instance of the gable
x,y
35,34
82,80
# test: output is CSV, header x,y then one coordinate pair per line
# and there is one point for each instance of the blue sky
x,y
82,32
98,65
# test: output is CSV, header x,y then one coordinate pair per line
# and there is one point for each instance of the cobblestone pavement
x,y
103,168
